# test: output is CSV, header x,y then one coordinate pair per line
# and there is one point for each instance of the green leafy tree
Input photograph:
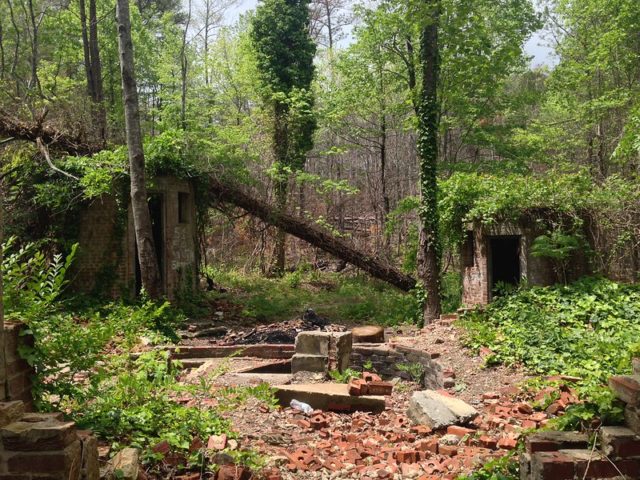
x,y
284,55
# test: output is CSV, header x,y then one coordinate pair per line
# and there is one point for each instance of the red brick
x,y
233,472
459,431
488,442
552,441
379,388
552,466
449,450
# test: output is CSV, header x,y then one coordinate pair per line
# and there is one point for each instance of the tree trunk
x,y
430,253
100,113
227,192
280,148
149,271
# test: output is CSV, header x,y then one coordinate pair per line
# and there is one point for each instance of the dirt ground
x,y
328,445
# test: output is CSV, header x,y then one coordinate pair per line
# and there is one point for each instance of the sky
x,y
536,46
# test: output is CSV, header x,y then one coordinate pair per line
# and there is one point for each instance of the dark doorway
x,y
156,209
505,261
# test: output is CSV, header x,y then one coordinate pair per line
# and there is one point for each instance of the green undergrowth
x,y
95,361
589,329
342,298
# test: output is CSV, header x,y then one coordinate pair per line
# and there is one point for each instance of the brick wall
x,y
107,251
476,261
16,374
104,259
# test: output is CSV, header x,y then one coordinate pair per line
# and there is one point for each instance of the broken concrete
x,y
329,396
439,411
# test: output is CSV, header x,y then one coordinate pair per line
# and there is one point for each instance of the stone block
x,y
551,441
626,388
90,467
312,343
125,464
11,412
58,465
309,363
38,436
619,442
341,347
438,411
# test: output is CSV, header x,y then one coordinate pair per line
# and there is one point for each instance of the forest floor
x,y
363,445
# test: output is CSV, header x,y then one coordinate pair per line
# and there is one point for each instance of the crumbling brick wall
x,y
16,374
106,262
43,446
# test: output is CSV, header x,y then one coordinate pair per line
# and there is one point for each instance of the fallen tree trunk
x,y
227,192
12,127
224,191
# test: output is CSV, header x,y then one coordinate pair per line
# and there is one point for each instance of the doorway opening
x,y
505,262
156,210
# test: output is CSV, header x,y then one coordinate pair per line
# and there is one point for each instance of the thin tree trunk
x,y
149,271
184,66
100,113
85,48
430,254
281,147
2,67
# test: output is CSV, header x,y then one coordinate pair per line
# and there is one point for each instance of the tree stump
x,y
368,334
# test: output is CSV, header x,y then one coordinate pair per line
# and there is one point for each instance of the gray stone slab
x,y
313,343
439,411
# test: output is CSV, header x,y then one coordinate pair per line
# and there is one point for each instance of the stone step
x,y
626,388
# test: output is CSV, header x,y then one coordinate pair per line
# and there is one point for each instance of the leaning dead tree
x,y
227,192
224,191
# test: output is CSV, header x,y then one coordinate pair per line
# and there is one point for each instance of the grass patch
x,y
348,299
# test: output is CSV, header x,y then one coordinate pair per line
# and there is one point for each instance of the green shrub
x,y
587,329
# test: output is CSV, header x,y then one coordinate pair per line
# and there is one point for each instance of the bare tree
x,y
149,271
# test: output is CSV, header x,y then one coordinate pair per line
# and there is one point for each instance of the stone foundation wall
x,y
385,359
16,374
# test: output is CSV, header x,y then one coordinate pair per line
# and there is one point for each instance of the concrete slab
x,y
329,396
439,411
